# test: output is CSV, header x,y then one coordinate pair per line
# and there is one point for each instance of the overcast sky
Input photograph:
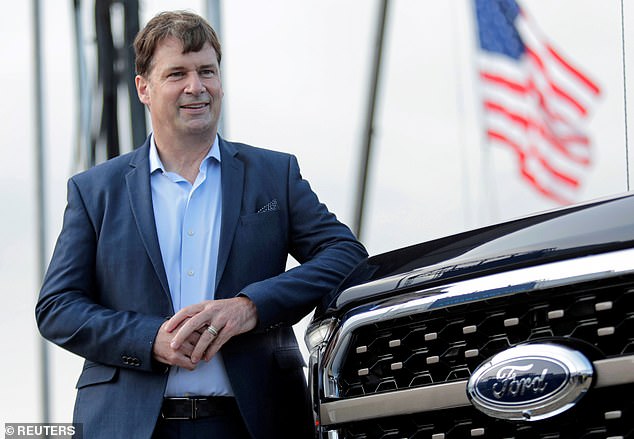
x,y
295,78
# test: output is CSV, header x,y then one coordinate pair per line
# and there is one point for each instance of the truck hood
x,y
594,227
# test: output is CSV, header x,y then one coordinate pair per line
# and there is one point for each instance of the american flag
x,y
535,101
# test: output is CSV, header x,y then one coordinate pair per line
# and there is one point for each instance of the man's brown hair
x,y
190,29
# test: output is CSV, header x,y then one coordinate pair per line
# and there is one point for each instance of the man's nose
x,y
194,84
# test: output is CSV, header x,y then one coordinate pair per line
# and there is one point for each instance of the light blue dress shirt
x,y
188,224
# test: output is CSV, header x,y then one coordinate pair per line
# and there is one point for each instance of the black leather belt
x,y
197,407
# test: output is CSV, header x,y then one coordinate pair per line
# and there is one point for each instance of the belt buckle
x,y
193,414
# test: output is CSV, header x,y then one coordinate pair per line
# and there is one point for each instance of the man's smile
x,y
195,106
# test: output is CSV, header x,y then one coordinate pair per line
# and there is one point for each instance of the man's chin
x,y
200,129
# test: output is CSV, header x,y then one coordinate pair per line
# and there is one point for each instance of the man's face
x,y
183,91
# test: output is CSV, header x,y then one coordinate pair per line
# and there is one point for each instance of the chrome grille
x,y
602,413
447,344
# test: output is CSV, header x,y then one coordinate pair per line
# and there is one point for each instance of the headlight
x,y
319,332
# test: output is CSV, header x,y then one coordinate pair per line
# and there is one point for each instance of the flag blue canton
x,y
496,27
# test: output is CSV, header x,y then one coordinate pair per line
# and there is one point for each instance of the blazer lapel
x,y
232,183
139,190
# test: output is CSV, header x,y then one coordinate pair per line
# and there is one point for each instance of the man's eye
x,y
175,75
207,73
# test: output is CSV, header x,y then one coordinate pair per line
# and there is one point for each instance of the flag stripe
x,y
580,76
553,86
504,82
524,171
562,145
528,88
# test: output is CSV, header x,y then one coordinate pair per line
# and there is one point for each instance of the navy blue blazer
x,y
105,293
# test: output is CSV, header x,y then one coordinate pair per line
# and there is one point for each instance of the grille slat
x,y
448,344
601,414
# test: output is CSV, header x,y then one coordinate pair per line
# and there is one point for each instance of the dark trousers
x,y
226,426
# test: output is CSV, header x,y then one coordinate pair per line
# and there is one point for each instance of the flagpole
x,y
627,143
366,152
84,157
40,195
467,174
214,16
487,170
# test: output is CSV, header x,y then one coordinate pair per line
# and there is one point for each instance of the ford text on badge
x,y
530,382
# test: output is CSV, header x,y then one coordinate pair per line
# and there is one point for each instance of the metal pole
x,y
627,143
84,153
40,195
488,209
369,124
214,16
137,109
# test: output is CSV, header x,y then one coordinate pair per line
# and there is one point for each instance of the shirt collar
x,y
155,160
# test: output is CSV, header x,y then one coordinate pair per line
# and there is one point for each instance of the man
x,y
168,275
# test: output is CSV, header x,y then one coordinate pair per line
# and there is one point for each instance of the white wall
x,y
296,75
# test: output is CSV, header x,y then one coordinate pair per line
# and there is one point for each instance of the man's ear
x,y
142,89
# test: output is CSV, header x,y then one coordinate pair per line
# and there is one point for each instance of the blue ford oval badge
x,y
530,382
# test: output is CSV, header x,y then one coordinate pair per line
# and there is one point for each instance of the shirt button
x,y
190,273
190,233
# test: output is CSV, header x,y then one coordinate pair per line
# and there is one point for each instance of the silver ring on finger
x,y
212,330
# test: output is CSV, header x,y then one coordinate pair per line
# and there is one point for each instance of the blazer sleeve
x,y
325,248
69,311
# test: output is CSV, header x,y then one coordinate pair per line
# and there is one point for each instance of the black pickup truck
x,y
523,329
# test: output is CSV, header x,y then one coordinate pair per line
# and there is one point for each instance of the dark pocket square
x,y
270,206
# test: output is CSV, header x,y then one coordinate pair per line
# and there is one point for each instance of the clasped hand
x,y
184,340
